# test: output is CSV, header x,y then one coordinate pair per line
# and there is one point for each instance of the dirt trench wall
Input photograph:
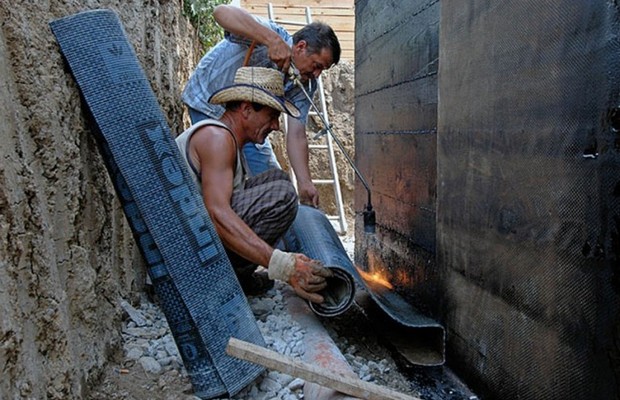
x,y
67,257
490,133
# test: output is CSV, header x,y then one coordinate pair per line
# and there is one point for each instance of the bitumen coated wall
x,y
488,132
396,65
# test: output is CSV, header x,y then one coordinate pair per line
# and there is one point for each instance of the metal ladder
x,y
339,219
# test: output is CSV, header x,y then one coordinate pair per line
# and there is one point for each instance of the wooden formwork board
x,y
339,14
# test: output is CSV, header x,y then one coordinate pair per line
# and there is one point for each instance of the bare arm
x,y
216,155
213,149
297,148
238,21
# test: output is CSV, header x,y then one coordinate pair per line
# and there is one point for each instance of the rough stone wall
x,y
67,256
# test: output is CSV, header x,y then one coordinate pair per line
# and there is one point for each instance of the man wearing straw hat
x,y
250,214
255,41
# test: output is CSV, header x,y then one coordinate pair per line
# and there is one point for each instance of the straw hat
x,y
258,85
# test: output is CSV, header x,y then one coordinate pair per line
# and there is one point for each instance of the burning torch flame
x,y
375,277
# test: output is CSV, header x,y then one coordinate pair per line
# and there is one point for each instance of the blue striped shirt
x,y
217,70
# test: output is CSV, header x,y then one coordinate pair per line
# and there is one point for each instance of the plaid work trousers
x,y
268,205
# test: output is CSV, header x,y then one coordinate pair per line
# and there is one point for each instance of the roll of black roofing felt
x,y
338,295
313,235
198,290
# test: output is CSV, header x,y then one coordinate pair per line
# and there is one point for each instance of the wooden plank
x,y
300,14
342,34
336,20
302,9
309,3
338,24
312,373
348,54
346,39
339,14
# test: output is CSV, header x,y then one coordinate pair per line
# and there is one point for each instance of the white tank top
x,y
183,143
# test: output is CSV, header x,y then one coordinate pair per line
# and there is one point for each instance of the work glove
x,y
306,276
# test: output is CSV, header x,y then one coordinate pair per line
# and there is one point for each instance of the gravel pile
x,y
148,342
152,367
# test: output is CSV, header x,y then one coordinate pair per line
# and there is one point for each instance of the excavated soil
x,y
67,257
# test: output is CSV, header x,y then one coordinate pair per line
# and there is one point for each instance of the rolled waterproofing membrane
x,y
338,295
161,204
420,339
313,235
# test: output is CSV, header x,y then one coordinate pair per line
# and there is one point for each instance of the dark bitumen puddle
x,y
366,340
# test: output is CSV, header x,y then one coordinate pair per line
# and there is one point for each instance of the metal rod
x,y
340,145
